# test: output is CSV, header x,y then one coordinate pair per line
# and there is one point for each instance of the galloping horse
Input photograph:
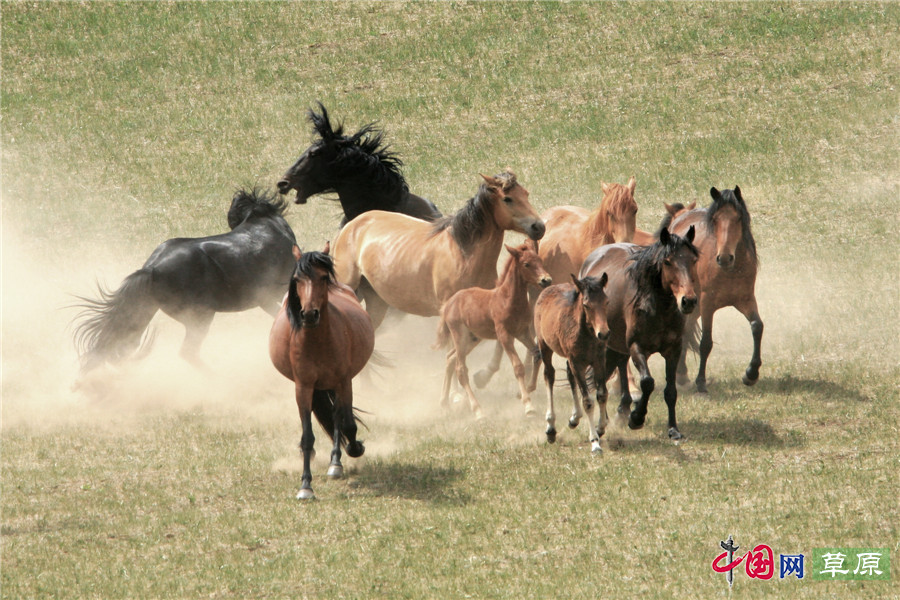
x,y
570,320
572,232
320,339
501,314
415,266
650,290
191,279
360,168
727,271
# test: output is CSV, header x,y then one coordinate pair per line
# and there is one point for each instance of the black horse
x,y
360,168
191,279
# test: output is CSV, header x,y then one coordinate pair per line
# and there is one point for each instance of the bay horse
x,y
320,340
191,279
570,320
650,291
415,266
727,271
573,232
360,168
502,313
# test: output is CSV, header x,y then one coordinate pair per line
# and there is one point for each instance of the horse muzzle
x,y
546,282
310,318
725,261
536,230
688,304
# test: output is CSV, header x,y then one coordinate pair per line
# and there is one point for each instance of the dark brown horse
x,y
320,340
650,290
570,320
727,271
502,313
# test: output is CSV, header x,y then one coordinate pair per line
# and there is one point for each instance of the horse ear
x,y
670,209
604,279
327,249
578,285
492,183
514,251
604,186
737,192
716,194
296,252
690,235
691,206
664,237
632,183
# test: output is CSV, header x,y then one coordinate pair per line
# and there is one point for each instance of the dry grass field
x,y
125,124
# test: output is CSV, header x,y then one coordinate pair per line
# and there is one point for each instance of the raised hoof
x,y
551,436
635,422
481,378
674,434
573,423
748,381
355,449
335,471
306,494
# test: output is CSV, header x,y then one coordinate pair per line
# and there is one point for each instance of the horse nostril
x,y
688,305
284,186
725,260
603,336
546,282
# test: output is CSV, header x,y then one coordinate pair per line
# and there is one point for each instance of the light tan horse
x,y
572,232
415,266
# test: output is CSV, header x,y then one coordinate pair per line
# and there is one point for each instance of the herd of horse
x,y
587,286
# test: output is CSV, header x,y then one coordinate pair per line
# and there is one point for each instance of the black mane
x,y
732,198
305,267
254,203
646,266
468,223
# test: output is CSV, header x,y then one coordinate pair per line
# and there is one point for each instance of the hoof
x,y
306,494
529,410
595,448
479,416
674,434
481,378
701,387
335,471
573,423
551,436
355,449
635,422
748,381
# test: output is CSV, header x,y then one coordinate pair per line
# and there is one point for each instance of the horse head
x,y
678,268
594,304
308,292
510,207
619,210
725,220
529,264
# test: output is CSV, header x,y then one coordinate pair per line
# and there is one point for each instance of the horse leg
x,y
750,311
307,441
706,344
448,377
196,327
687,341
636,420
549,378
463,345
483,376
508,343
616,361
670,393
601,396
375,305
577,412
593,435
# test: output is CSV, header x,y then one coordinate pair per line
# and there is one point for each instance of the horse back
x,y
562,249
557,319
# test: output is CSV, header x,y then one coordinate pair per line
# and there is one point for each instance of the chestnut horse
x,y
645,238
650,290
570,320
572,232
502,313
415,266
320,339
727,271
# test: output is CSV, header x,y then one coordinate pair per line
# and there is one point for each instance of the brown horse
x,y
415,266
645,238
570,320
502,313
572,232
320,339
650,290
727,271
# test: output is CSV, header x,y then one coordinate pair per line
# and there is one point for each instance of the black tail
x,y
323,409
112,327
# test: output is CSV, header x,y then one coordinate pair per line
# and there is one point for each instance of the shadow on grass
x,y
425,482
732,431
781,386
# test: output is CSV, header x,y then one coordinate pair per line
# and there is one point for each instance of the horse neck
x,y
511,287
596,228
357,197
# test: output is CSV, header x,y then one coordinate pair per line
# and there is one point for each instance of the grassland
x,y
124,124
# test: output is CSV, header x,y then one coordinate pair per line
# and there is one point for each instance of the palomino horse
x,y
415,266
650,290
320,339
191,279
570,320
572,232
501,314
727,271
358,167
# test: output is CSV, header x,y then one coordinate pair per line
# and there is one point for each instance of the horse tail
x,y
112,326
443,334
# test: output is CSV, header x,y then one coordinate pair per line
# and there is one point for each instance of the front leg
x,y
636,420
549,380
508,344
307,440
483,376
670,393
749,310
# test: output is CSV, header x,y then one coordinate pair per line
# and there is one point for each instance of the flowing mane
x,y
254,203
468,223
618,200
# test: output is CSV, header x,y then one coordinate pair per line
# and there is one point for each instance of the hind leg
x,y
196,325
687,340
464,342
483,376
375,305
508,344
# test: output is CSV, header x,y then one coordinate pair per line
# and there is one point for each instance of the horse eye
x,y
507,199
527,265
